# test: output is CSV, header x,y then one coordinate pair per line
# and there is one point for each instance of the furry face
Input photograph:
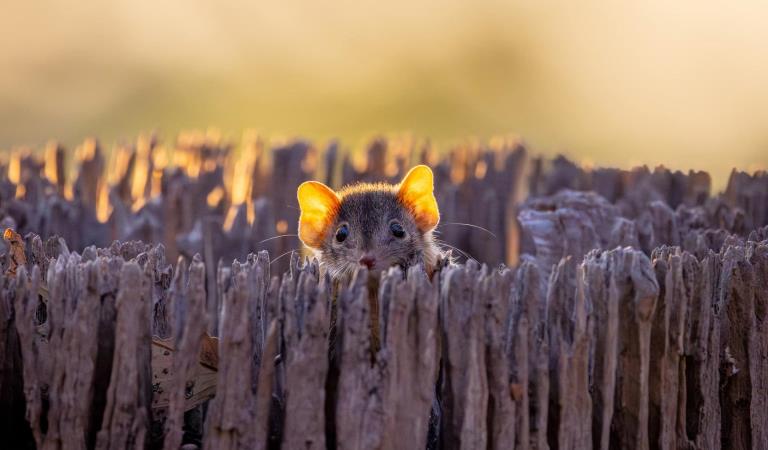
x,y
374,225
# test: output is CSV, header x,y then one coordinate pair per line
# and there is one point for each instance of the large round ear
x,y
319,205
416,193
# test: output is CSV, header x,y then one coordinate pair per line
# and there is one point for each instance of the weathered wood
x,y
190,304
526,298
502,409
306,363
359,409
231,414
464,353
516,367
127,415
266,380
538,385
667,346
737,339
569,337
604,303
108,272
584,342
186,204
750,194
74,342
35,351
633,283
703,372
757,254
410,342
569,224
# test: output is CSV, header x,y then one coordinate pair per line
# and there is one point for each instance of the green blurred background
x,y
684,83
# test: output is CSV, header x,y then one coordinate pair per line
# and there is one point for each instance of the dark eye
x,y
397,230
342,233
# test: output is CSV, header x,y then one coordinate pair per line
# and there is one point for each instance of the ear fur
x,y
319,205
416,193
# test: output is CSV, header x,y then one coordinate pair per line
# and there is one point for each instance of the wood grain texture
x,y
631,312
618,350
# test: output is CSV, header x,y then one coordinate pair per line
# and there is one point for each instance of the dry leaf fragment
x,y
16,244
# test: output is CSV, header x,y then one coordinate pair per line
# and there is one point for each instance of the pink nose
x,y
368,261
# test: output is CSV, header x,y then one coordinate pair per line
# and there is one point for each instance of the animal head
x,y
374,225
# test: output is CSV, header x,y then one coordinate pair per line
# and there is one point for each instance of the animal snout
x,y
368,261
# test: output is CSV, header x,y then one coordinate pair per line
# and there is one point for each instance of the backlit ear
x,y
416,193
319,205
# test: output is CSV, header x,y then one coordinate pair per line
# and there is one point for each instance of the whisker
x,y
461,252
465,254
275,260
471,226
276,237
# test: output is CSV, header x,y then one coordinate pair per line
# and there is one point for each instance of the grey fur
x,y
368,214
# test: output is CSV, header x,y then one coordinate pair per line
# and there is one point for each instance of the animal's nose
x,y
368,260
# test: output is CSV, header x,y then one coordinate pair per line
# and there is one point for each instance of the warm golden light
x,y
160,158
121,158
51,168
86,151
242,175
103,205
183,156
229,219
480,169
68,192
156,186
458,172
681,85
138,204
215,196
141,168
240,185
14,168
